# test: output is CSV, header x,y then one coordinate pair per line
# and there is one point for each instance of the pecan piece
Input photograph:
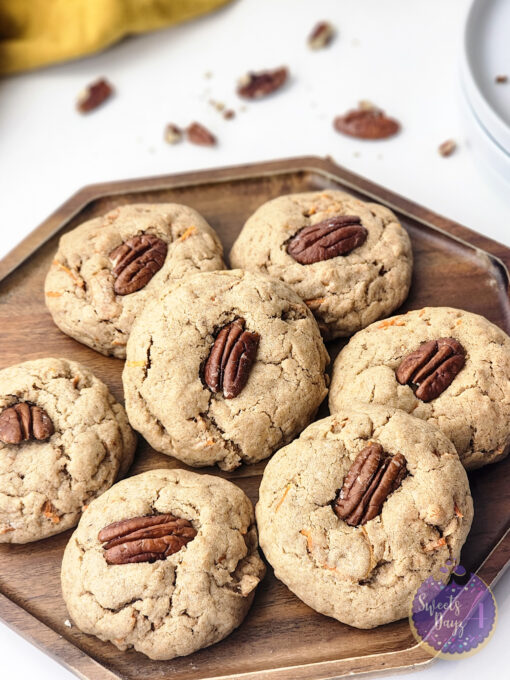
x,y
366,123
198,134
145,539
432,367
24,421
370,480
94,95
257,85
230,360
321,35
329,238
136,261
447,148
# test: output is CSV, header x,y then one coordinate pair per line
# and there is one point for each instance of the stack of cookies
x,y
228,367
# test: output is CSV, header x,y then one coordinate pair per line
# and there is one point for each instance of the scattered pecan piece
x,y
366,123
198,134
370,480
257,85
136,261
330,238
94,95
24,421
229,114
447,148
145,539
173,134
321,35
230,360
501,80
432,367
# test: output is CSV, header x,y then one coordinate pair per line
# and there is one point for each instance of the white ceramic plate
x,y
486,54
493,156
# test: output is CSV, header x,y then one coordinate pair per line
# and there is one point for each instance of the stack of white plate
x,y
486,103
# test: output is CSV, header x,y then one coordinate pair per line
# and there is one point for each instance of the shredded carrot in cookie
x,y
53,293
287,488
135,364
397,321
308,535
457,511
189,231
458,322
311,211
49,512
421,313
210,442
435,545
76,380
5,530
119,343
68,271
315,302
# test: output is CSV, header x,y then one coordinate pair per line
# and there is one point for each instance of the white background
x,y
402,56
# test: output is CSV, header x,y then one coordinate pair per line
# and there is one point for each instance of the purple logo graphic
x,y
453,618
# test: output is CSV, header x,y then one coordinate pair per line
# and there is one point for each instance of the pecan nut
x,y
329,238
94,95
321,35
198,134
370,480
24,421
257,85
366,123
136,261
230,360
145,539
432,367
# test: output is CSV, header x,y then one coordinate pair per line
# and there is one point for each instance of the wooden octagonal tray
x,y
281,637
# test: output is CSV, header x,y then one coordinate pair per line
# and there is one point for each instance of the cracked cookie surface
x,y
347,292
175,606
167,399
366,575
44,485
79,287
473,411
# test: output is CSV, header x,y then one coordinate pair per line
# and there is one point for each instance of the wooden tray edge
x,y
64,651
325,166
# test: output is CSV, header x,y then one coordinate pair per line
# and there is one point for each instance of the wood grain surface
x,y
281,637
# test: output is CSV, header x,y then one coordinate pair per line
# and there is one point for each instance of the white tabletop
x,y
400,55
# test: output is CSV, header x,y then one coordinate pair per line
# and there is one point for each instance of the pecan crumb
x,y
321,35
447,148
229,114
198,134
219,106
501,80
260,84
173,134
94,95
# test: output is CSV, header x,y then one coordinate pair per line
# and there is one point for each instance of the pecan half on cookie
x,y
230,360
432,367
136,261
370,480
22,422
329,238
145,539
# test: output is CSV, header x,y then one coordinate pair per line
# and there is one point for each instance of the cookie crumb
x,y
447,148
173,134
501,80
229,114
